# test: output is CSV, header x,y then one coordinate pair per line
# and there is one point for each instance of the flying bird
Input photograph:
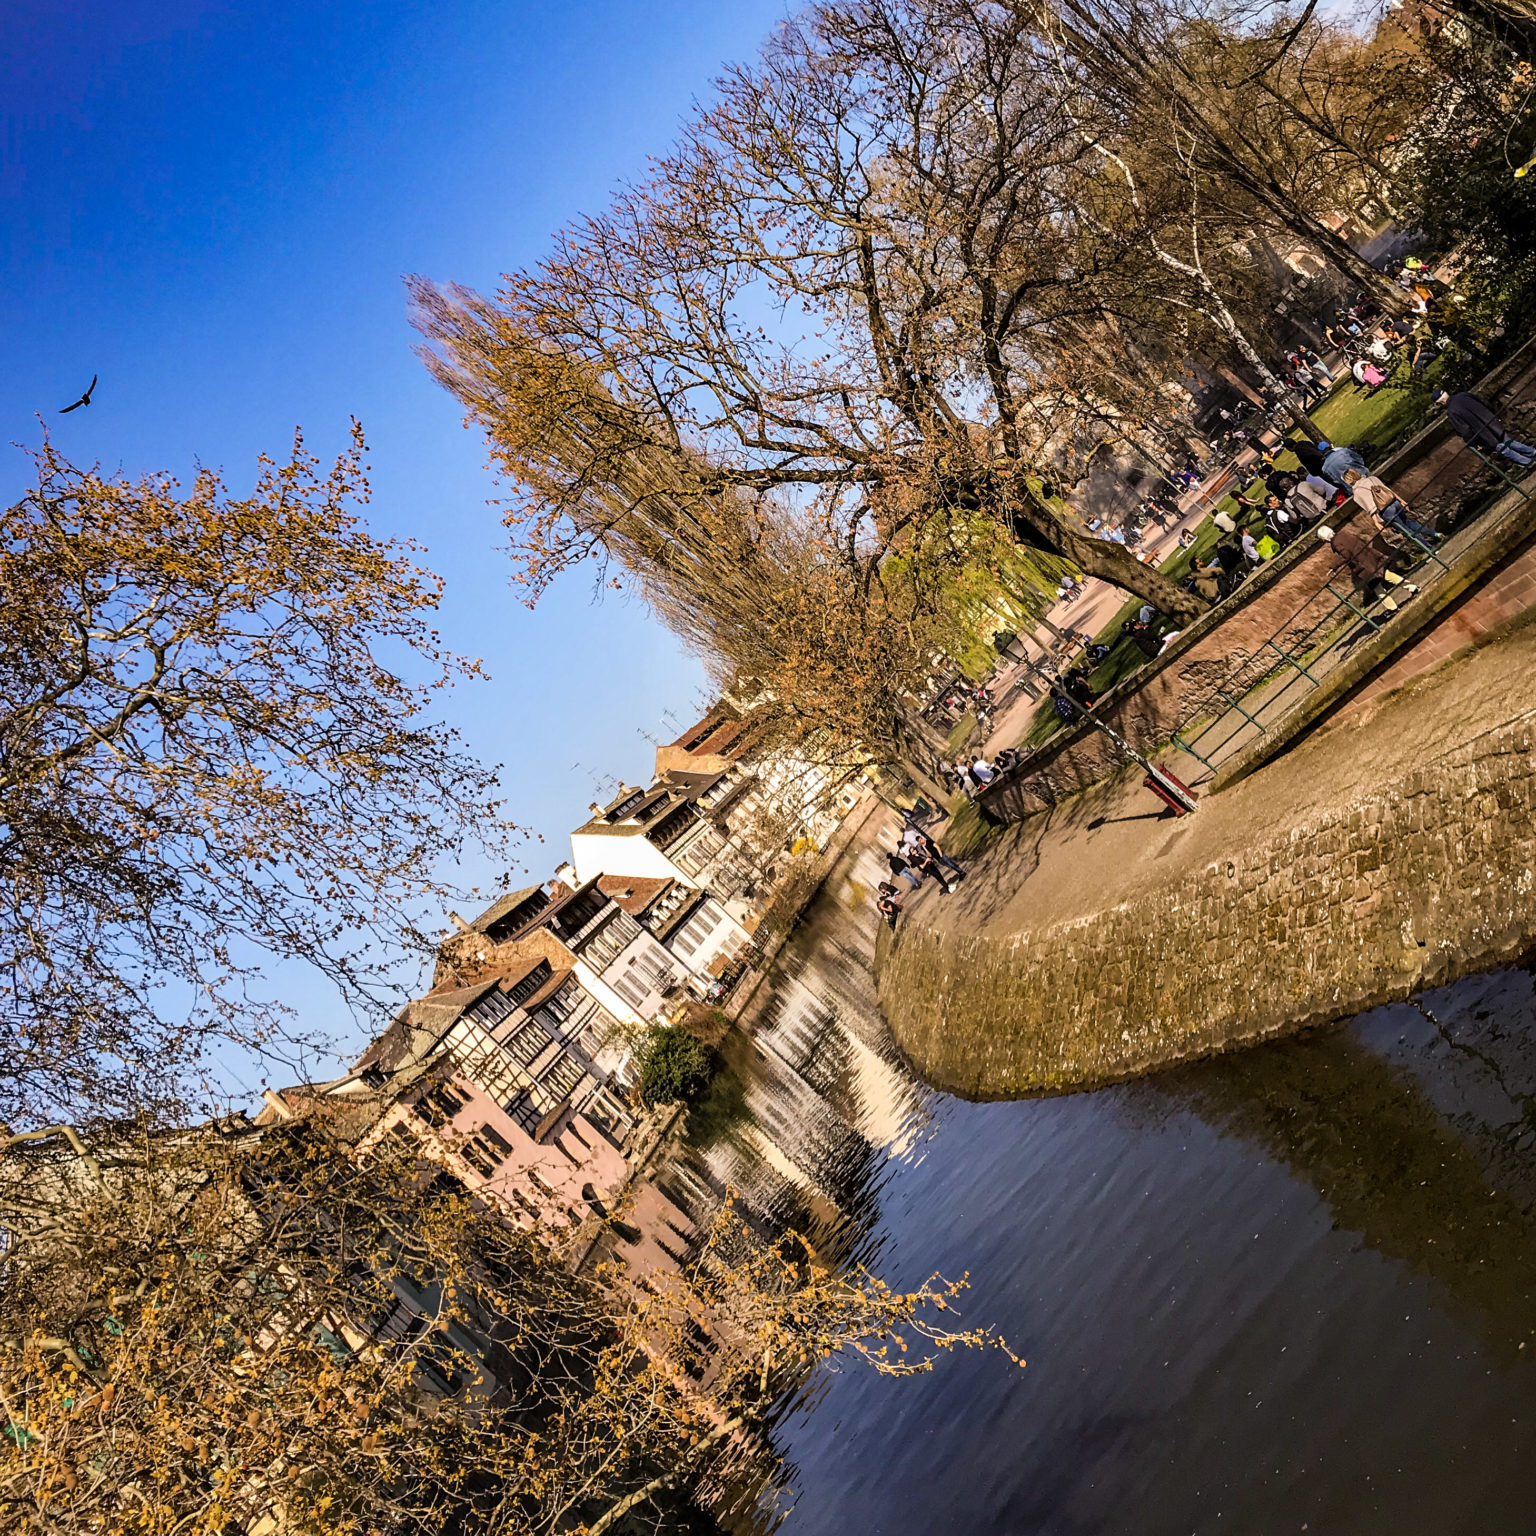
x,y
84,399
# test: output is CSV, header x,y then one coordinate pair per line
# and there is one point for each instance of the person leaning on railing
x,y
1369,561
1385,508
1478,426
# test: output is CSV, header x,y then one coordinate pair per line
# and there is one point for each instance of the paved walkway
x,y
1100,939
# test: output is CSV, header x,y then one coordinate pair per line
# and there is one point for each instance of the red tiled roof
x,y
634,893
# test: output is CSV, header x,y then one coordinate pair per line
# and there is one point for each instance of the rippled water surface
x,y
1290,1290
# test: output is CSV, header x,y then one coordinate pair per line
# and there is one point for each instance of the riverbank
x,y
1098,941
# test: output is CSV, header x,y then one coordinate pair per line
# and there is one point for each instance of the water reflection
x,y
1405,1125
1289,1289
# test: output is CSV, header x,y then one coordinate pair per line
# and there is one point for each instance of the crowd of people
x,y
970,775
916,858
1378,541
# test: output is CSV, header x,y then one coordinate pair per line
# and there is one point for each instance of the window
x,y
528,1044
524,1113
632,988
563,1076
695,931
438,1105
503,1146
560,1005
490,1010
531,983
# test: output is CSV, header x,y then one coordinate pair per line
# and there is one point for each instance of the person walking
x,y
1384,506
1317,365
1478,426
1308,388
899,866
925,864
1369,562
927,845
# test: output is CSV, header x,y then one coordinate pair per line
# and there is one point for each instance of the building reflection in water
x,y
1415,1125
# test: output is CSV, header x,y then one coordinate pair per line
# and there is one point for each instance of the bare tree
x,y
240,1327
1230,76
206,757
848,306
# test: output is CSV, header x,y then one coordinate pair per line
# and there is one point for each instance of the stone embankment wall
x,y
1426,879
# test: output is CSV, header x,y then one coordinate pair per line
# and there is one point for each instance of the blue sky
x,y
211,203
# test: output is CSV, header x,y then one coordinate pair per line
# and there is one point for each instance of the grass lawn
x,y
961,733
1125,656
1353,416
1350,415
967,833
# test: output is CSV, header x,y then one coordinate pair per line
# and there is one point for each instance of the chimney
x,y
459,923
595,808
278,1107
566,875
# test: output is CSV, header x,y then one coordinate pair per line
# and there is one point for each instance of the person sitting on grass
x,y
1339,459
1077,687
1311,498
1140,635
1282,524
1204,581
1309,455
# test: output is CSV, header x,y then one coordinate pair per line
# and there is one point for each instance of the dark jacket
x,y
1365,557
1309,455
1474,422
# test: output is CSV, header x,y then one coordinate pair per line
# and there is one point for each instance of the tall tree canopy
x,y
849,307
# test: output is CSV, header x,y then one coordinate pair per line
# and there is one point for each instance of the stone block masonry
x,y
1418,870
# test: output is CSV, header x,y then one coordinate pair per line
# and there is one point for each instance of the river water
x,y
1290,1290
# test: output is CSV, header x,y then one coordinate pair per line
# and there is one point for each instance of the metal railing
x,y
1255,697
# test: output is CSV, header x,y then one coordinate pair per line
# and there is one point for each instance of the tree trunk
x,y
1297,413
1108,561
910,739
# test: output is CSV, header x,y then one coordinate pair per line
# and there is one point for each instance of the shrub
x,y
673,1065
